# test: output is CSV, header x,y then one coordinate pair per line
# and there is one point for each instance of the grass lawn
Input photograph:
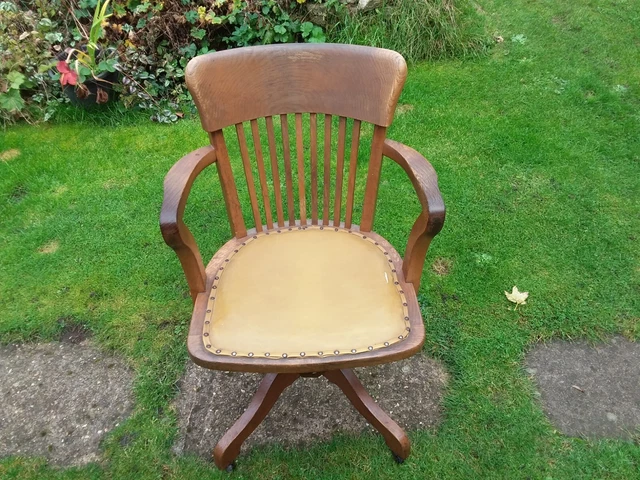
x,y
537,146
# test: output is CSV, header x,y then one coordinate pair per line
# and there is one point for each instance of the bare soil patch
x,y
311,410
60,399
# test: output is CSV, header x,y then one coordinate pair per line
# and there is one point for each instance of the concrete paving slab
x,y
589,391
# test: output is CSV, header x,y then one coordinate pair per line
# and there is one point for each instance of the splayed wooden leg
x,y
393,435
269,391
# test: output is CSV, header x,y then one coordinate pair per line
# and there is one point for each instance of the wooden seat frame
x,y
331,88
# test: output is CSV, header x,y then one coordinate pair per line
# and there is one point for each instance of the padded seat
x,y
305,292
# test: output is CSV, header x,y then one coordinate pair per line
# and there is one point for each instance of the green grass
x,y
418,29
537,147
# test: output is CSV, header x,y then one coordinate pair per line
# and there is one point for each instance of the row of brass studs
x,y
303,354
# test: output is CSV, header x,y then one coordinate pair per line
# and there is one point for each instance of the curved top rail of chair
x,y
238,85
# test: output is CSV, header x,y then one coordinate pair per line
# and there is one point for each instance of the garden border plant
x,y
88,74
150,42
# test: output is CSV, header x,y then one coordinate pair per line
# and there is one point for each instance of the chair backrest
x,y
354,83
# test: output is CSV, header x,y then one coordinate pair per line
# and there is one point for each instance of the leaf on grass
x,y
517,297
9,154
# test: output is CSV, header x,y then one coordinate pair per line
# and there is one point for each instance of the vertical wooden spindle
x,y
287,168
373,179
337,203
275,171
313,130
229,190
327,169
302,198
255,131
244,152
353,165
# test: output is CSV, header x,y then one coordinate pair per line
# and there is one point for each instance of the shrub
x,y
418,29
27,47
151,41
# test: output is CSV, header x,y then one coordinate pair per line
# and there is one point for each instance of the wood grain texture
x,y
302,198
373,179
393,435
353,166
313,134
262,174
251,187
275,171
288,175
232,86
177,185
270,389
337,203
228,184
431,219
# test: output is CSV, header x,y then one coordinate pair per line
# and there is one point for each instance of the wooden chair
x,y
305,291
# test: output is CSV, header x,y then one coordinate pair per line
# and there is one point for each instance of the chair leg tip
x,y
398,459
231,467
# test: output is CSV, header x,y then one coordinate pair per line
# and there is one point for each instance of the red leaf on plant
x,y
62,67
67,76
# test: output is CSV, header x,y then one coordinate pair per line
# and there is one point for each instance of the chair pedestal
x,y
270,389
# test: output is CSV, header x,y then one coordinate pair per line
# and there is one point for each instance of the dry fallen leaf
x,y
102,96
403,108
9,154
517,297
51,247
82,91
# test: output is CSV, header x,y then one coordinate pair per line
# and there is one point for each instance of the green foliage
x,y
150,42
27,44
267,21
418,29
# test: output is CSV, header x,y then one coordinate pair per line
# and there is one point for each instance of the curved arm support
x,y
430,221
177,185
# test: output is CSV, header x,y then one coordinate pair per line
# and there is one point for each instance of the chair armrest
x,y
177,185
430,221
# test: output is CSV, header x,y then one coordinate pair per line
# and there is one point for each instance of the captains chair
x,y
302,290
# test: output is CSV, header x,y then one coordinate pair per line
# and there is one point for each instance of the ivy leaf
x,y
106,66
53,37
198,33
11,101
213,19
280,29
317,35
517,297
16,79
142,8
191,16
306,28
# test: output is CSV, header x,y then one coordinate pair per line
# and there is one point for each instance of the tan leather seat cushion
x,y
307,292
